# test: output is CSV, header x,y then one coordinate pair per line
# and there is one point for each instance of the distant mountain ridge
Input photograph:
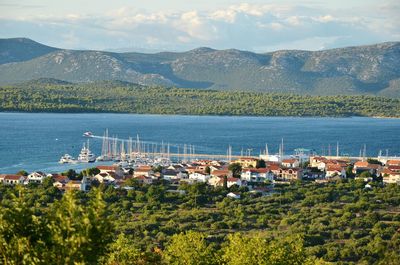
x,y
372,69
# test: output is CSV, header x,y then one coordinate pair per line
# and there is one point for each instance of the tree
x,y
22,173
71,174
261,163
189,248
236,169
349,172
241,249
207,170
124,252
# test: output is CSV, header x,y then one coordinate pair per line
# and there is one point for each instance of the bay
x,y
36,141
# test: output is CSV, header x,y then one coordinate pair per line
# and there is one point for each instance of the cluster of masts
x,y
115,149
144,152
138,151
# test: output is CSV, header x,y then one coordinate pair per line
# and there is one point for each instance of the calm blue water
x,y
37,141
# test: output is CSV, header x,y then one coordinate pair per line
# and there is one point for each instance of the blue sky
x,y
156,25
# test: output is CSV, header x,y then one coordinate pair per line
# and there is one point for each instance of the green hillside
x,y
37,96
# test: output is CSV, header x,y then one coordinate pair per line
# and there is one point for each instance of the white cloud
x,y
243,26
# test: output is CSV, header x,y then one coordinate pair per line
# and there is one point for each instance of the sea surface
x,y
36,141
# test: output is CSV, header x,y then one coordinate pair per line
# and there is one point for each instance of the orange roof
x,y
108,168
258,170
143,169
289,161
393,163
333,167
361,164
220,172
273,167
229,180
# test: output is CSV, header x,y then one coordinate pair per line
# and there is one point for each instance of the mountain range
x,y
372,69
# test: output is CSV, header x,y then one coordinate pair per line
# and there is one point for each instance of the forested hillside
x,y
57,96
304,223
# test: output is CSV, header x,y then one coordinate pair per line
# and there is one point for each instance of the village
x,y
257,175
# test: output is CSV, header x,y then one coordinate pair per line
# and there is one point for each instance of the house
x,y
106,177
170,174
361,166
10,179
144,179
334,170
313,173
146,171
289,174
219,181
59,180
221,173
36,177
77,184
178,168
318,162
256,175
290,163
114,169
247,161
274,168
199,176
389,176
233,195
393,163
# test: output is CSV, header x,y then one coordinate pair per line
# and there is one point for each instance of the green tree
x,y
124,252
189,248
236,169
261,163
247,250
22,173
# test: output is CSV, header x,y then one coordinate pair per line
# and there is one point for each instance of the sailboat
x,y
105,149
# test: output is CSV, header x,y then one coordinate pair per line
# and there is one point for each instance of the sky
x,y
178,25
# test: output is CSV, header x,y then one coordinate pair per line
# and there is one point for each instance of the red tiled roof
x,y
11,177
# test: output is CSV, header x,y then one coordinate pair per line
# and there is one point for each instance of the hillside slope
x,y
373,69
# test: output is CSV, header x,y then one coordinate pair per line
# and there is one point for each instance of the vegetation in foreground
x,y
305,223
128,98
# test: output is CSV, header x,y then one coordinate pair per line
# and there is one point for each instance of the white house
x,y
290,162
256,175
107,177
333,170
199,177
219,181
390,176
36,177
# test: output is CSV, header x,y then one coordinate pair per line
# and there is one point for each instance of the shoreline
x,y
199,115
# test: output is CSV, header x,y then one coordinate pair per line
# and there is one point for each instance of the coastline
x,y
198,115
